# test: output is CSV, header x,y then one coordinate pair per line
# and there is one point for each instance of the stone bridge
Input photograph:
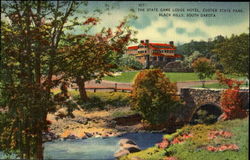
x,y
195,98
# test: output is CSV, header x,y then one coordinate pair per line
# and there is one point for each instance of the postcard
x,y
127,80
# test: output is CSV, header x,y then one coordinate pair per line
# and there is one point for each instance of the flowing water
x,y
96,148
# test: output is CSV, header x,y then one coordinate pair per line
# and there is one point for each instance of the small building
x,y
154,53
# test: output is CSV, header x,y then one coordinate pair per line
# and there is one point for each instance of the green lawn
x,y
218,86
194,147
127,77
214,85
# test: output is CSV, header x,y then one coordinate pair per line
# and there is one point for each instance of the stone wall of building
x,y
176,67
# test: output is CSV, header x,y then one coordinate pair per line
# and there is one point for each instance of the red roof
x,y
161,46
133,47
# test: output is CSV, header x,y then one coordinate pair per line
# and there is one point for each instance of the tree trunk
x,y
203,84
81,86
39,143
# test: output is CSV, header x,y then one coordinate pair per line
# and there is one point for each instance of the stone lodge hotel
x,y
154,53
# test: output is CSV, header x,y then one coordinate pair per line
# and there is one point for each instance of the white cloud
x,y
110,20
151,32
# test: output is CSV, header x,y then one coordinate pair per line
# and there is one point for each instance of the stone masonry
x,y
197,97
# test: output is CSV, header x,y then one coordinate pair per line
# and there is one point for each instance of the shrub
x,y
129,62
154,96
104,99
230,102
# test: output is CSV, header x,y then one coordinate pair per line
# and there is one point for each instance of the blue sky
x,y
163,29
179,29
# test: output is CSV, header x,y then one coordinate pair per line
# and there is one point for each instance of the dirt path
x,y
180,85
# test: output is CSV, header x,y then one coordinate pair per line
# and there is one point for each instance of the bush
x,y
129,62
154,96
105,99
230,101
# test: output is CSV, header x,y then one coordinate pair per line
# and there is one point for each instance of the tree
x,y
129,62
31,34
154,96
233,54
204,69
190,59
86,57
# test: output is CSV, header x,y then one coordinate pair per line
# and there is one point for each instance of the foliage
x,y
203,47
203,67
195,146
231,102
154,96
129,62
87,57
190,59
103,100
153,153
31,33
233,53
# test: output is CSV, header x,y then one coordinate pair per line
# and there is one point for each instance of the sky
x,y
154,24
230,18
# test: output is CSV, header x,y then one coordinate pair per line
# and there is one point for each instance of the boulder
x,y
126,141
121,153
88,134
80,120
61,113
84,136
98,136
49,136
70,136
131,148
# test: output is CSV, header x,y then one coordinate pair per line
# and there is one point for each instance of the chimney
x,y
142,41
171,43
147,41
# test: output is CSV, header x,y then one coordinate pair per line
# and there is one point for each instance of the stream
x,y
95,148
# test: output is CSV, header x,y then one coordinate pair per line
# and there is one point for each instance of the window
x,y
160,58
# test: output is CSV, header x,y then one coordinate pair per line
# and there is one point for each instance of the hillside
x,y
222,140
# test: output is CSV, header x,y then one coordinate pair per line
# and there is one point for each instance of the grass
x,y
100,100
194,147
127,77
217,86
104,100
122,113
214,85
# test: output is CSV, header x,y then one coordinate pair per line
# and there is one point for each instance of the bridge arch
x,y
196,98
207,113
